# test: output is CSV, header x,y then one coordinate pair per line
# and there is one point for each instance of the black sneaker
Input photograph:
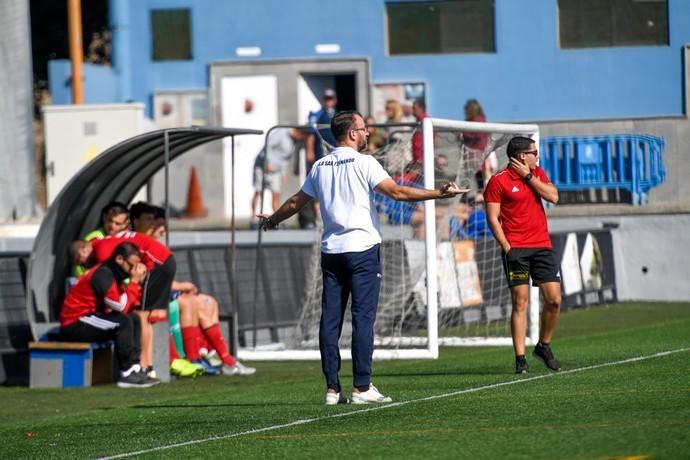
x,y
137,380
521,366
544,354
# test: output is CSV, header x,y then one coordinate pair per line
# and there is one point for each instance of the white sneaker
x,y
238,369
335,398
371,396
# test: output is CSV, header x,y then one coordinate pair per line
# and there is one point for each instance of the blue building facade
x,y
528,75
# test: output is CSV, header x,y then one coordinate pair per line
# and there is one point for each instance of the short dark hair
x,y
419,102
342,123
125,250
139,208
158,212
114,207
518,145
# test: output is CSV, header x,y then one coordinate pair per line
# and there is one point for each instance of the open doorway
x,y
311,87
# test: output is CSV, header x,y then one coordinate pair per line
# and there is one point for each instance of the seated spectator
x,y
458,222
469,221
476,144
442,173
376,138
98,306
400,212
477,225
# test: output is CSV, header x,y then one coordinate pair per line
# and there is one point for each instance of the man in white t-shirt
x,y
344,183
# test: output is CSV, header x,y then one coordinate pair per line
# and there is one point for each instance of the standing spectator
x,y
394,112
315,149
476,144
344,182
97,308
407,108
419,112
517,219
281,145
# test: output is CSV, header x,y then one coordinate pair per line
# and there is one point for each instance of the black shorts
x,y
156,292
520,264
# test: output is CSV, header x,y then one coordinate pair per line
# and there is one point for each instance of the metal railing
x,y
632,162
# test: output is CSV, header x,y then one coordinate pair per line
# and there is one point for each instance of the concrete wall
x,y
652,253
100,83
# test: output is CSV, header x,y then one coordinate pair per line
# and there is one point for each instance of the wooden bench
x,y
70,364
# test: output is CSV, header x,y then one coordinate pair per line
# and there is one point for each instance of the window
x,y
171,38
446,26
598,23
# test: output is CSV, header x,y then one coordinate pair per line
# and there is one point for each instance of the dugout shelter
x,y
116,174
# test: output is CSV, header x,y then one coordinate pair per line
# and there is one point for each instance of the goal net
x,y
443,282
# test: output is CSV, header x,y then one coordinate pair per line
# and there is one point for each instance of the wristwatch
x,y
528,177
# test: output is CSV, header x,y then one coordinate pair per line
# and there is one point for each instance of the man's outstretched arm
x,y
288,209
404,193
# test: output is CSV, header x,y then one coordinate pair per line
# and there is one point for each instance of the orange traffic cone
x,y
195,202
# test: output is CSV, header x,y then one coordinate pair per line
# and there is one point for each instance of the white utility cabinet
x,y
75,134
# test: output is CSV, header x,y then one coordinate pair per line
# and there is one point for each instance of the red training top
x,y
152,251
100,289
522,215
417,141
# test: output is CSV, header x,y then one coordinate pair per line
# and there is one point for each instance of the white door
x,y
252,103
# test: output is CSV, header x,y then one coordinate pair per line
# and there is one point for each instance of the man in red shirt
x,y
159,261
419,112
97,308
517,219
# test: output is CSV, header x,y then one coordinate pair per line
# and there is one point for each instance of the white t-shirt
x,y
343,183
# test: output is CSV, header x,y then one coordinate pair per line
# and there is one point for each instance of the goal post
x,y
441,286
429,127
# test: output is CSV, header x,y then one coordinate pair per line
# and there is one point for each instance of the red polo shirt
x,y
522,215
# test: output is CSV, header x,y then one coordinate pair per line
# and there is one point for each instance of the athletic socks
x,y
190,337
174,352
215,337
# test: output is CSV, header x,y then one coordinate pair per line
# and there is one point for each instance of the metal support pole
x,y
76,49
166,148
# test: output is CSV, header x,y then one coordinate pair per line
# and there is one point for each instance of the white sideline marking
x,y
395,404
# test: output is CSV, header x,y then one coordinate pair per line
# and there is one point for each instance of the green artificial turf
x,y
466,404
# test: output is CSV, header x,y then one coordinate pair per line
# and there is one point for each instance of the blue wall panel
x,y
528,78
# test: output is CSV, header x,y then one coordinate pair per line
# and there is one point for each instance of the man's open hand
x,y
451,189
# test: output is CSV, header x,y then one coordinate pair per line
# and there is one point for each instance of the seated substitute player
x,y
98,306
199,313
161,266
517,219
114,219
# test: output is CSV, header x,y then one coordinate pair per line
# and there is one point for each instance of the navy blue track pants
x,y
357,274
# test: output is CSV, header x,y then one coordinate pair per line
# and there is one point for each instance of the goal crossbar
x,y
426,347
